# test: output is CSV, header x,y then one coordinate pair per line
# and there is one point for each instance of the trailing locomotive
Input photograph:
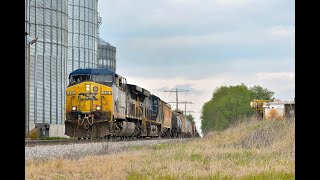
x,y
100,104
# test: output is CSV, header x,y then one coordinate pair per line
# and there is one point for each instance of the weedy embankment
x,y
247,150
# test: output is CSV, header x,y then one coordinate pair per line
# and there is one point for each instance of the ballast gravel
x,y
72,151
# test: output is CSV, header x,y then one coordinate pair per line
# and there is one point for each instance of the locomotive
x,y
101,104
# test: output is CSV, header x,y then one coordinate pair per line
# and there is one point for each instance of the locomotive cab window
x,y
103,78
75,79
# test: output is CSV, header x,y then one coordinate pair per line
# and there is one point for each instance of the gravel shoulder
x,y
74,151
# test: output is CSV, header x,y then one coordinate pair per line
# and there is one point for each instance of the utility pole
x,y
27,29
30,41
185,105
191,112
176,90
28,88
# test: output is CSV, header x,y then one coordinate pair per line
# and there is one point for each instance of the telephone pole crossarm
x,y
185,105
176,91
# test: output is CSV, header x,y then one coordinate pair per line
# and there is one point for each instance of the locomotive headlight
x,y
87,87
74,108
98,108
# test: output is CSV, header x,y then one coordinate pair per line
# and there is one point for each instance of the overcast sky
x,y
200,45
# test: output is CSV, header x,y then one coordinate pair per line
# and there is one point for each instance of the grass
x,y
160,146
248,150
54,138
136,147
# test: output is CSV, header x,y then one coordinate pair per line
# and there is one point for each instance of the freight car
x,y
101,104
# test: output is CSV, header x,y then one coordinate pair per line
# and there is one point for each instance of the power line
x,y
185,105
191,112
176,91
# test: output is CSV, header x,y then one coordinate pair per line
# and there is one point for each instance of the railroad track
x,y
31,143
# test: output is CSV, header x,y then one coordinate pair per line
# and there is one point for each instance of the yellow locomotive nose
x,y
88,98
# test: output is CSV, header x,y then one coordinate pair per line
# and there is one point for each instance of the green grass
x,y
179,155
269,175
135,176
196,157
136,147
140,176
54,138
199,158
241,158
160,146
217,176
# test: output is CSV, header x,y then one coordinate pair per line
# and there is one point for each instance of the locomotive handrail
x,y
79,118
89,120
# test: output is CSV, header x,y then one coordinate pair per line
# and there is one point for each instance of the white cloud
x,y
282,83
283,31
208,67
257,36
233,3
276,75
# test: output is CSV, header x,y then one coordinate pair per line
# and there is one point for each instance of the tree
x,y
230,104
261,93
190,118
178,110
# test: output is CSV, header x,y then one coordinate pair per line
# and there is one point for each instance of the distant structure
x,y
279,110
273,110
83,27
107,55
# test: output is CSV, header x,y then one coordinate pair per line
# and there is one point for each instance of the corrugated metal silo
x,y
26,16
48,56
107,55
26,29
83,34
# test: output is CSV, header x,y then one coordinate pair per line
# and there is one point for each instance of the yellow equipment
x,y
34,134
257,105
